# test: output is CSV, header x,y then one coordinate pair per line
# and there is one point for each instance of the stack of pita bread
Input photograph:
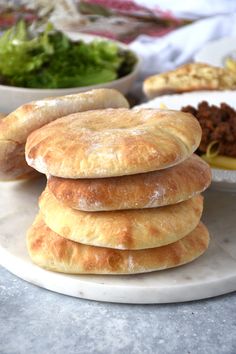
x,y
123,191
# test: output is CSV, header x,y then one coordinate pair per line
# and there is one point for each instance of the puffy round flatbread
x,y
113,142
50,251
124,229
15,128
146,190
189,77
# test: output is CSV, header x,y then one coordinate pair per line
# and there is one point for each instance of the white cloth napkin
x,y
180,46
192,9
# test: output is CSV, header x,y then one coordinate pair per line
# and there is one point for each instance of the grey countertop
x,y
37,321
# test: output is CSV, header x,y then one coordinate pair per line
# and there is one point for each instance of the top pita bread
x,y
15,128
113,142
189,77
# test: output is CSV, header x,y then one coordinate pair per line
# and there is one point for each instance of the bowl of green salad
x,y
39,64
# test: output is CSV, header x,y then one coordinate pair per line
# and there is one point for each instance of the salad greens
x,y
52,60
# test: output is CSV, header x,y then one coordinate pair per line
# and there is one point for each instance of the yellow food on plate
x,y
213,157
219,161
230,64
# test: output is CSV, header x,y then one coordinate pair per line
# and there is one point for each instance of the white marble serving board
x,y
212,274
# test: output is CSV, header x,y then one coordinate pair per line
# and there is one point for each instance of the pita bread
x,y
124,229
12,162
113,142
146,190
189,77
15,128
52,252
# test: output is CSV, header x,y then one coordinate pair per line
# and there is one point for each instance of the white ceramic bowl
x,y
12,97
224,180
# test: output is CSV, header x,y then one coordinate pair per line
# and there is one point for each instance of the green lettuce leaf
x,y
51,60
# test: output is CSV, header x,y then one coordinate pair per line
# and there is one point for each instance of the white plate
x,y
212,274
12,97
216,52
221,179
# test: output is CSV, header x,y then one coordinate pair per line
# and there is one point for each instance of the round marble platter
x,y
212,274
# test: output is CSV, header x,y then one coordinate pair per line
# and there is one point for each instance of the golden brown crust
x,y
52,252
124,229
15,128
146,190
113,142
189,77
